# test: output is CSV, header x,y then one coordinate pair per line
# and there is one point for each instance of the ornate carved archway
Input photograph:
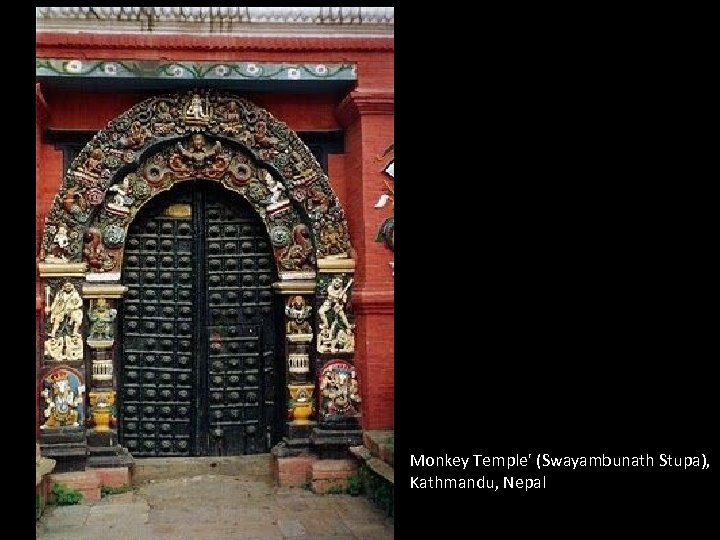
x,y
217,137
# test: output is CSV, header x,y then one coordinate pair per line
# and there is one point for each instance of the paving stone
x,y
217,507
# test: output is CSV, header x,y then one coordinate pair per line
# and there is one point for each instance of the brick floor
x,y
217,507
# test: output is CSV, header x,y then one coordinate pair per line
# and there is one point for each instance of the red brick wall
x,y
355,176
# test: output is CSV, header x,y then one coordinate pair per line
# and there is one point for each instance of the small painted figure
x,y
121,200
298,312
66,309
262,138
60,245
64,398
195,113
101,319
95,253
336,332
164,122
277,196
231,122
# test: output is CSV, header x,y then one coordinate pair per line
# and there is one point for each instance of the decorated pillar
x,y
61,377
102,308
338,389
297,299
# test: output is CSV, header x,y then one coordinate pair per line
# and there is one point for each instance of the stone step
x,y
381,445
255,467
377,465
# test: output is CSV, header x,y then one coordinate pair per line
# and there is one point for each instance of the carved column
x,y
335,369
297,300
101,300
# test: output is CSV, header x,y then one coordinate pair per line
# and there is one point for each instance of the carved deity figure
x,y
95,253
64,341
64,398
121,199
332,240
137,135
89,172
262,138
164,122
66,309
277,190
339,389
101,319
60,245
231,121
298,312
296,256
336,332
196,112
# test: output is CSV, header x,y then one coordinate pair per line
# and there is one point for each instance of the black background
x,y
552,272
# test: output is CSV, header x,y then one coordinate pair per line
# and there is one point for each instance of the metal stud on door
x,y
197,344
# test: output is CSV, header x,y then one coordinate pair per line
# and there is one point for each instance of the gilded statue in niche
x,y
64,341
298,313
335,331
339,389
63,396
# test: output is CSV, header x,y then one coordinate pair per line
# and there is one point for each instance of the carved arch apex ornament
x,y
104,185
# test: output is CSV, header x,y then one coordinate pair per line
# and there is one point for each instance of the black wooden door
x,y
198,371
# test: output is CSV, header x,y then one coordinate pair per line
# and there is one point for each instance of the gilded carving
x,y
63,395
339,389
64,341
301,402
103,410
335,332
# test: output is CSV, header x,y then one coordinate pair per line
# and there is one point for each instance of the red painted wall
x,y
355,175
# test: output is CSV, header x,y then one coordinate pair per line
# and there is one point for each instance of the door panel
x,y
198,327
239,280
